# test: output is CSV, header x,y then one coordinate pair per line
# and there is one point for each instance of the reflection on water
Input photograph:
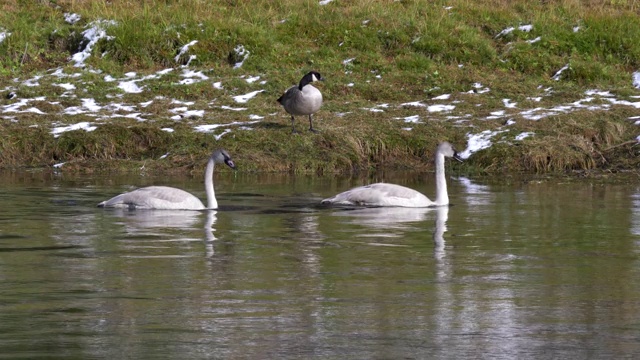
x,y
523,270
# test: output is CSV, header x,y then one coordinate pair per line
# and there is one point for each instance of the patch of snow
x,y
211,127
218,85
324,2
440,108
508,104
255,117
57,131
146,103
478,88
95,32
4,35
226,131
71,18
109,78
88,105
477,142
246,97
442,97
243,53
224,107
576,28
58,165
350,84
33,82
556,76
534,40
524,135
66,86
636,79
183,50
130,87
348,61
252,79
414,103
169,130
525,28
411,119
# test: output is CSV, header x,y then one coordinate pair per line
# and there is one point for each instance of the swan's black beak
x,y
230,163
457,156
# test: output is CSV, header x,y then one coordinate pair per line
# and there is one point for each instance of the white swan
x,y
383,194
165,197
303,99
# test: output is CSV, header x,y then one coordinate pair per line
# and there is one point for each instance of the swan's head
x,y
221,156
447,150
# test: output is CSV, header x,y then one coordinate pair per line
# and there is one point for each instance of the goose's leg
x,y
311,125
293,125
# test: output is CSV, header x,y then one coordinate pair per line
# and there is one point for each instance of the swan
x,y
303,99
165,197
384,194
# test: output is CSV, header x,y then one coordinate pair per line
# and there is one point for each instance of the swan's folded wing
x,y
155,197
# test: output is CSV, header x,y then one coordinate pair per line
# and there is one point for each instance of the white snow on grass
x,y
183,50
4,34
225,107
88,105
66,86
130,87
218,85
557,75
525,28
33,82
508,104
442,97
96,30
524,135
241,53
478,88
324,2
534,40
57,131
252,79
440,108
210,127
71,18
636,79
246,97
477,142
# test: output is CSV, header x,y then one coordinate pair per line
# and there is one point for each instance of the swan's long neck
x,y
212,203
442,196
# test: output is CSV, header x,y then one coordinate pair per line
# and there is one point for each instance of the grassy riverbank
x,y
548,84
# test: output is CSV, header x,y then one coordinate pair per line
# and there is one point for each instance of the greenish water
x,y
522,270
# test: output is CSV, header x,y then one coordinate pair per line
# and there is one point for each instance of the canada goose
x,y
165,197
383,194
303,99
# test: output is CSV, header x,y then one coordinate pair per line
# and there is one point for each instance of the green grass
x,y
419,49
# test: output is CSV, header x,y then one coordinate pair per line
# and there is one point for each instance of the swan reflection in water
x,y
384,217
442,215
209,236
388,218
162,223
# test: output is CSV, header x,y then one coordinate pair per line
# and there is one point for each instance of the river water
x,y
513,269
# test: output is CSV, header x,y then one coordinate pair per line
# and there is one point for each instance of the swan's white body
x,y
383,194
169,198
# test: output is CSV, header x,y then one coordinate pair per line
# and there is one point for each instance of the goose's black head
x,y
310,77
